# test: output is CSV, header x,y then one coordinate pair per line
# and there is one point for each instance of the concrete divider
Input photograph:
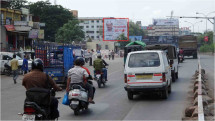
x,y
202,105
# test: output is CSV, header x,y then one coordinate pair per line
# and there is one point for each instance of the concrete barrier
x,y
202,107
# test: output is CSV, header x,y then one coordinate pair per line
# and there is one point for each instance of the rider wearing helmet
x,y
99,65
78,75
37,78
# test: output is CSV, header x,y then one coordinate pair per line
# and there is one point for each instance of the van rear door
x,y
144,68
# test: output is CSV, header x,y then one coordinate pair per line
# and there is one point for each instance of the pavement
x,y
112,102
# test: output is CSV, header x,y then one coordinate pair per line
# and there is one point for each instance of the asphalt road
x,y
111,101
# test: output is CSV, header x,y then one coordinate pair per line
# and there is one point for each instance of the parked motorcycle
x,y
7,69
38,109
181,58
78,98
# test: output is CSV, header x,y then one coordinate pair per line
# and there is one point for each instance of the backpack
x,y
98,64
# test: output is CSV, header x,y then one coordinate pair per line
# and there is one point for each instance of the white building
x,y
93,27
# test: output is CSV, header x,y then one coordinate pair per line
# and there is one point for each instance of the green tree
x,y
17,4
54,16
70,31
134,30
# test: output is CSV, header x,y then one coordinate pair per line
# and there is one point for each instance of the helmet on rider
x,y
99,56
37,64
79,61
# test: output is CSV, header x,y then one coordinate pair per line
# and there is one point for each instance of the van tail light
x,y
75,94
125,78
171,63
131,75
29,110
163,77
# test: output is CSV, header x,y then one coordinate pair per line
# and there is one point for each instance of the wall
x,y
3,38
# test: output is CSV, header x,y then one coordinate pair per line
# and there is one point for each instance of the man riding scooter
x,y
100,65
79,75
181,55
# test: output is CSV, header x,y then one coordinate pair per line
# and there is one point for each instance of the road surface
x,y
112,102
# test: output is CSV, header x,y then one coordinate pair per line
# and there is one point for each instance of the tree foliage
x,y
70,31
17,4
134,30
210,38
54,17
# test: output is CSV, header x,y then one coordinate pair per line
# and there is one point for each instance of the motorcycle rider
x,y
78,75
36,78
99,65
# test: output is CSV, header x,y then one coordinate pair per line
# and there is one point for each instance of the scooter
x,y
78,98
35,111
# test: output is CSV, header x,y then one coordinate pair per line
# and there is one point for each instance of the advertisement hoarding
x,y
33,33
135,38
165,22
41,34
115,29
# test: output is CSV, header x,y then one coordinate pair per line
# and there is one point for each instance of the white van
x,y
6,57
147,70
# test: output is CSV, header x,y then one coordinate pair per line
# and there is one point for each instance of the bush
x,y
207,48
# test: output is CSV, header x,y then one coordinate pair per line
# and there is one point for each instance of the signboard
x,y
9,27
21,23
30,23
165,22
41,34
25,11
33,33
135,38
36,25
206,38
115,29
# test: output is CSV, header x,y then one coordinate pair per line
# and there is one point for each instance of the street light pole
x,y
193,24
205,15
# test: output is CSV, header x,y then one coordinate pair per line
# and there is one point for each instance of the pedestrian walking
x,y
25,65
109,54
14,67
91,57
112,54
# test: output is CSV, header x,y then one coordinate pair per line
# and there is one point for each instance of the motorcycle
x,y
78,98
33,111
7,69
181,58
100,79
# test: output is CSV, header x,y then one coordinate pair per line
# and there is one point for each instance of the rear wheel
x,y
176,75
165,93
99,82
173,76
170,88
76,111
130,95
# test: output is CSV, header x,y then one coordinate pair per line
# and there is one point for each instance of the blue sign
x,y
135,38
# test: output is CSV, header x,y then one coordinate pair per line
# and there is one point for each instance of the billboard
x,y
165,22
135,38
33,33
115,29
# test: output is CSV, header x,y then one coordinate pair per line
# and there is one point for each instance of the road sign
x,y
206,38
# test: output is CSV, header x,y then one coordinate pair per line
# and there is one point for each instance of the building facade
x,y
93,28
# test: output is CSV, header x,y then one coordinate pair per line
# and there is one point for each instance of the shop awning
x,y
9,27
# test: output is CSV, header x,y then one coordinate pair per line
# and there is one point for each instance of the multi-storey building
x,y
93,27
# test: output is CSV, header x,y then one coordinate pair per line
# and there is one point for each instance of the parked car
x,y
147,71
172,56
6,57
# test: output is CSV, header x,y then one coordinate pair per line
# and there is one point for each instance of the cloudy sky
x,y
145,10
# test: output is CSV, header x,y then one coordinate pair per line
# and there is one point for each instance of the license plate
x,y
55,79
28,117
143,76
98,75
75,102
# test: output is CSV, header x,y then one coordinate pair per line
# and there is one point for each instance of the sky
x,y
145,10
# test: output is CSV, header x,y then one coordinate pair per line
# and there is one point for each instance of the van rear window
x,y
144,60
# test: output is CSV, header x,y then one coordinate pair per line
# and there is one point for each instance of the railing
x,y
200,99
